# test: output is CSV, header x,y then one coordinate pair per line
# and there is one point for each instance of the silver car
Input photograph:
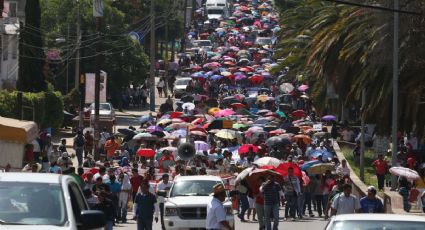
x,y
106,111
376,222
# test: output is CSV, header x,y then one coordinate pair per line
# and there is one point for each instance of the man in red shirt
x,y
381,167
135,181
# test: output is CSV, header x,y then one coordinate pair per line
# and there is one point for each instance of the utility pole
x,y
166,67
98,14
183,45
79,79
152,57
362,135
67,63
395,91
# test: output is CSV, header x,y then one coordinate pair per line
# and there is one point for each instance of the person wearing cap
x,y
164,185
370,203
345,202
216,214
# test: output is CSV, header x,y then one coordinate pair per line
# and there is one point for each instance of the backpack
x,y
79,141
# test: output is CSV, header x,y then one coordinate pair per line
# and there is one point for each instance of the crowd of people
x,y
240,120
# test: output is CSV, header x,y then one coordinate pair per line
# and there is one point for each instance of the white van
x,y
216,9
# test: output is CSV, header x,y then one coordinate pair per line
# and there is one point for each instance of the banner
x,y
90,86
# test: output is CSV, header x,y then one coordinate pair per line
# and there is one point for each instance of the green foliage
x,y
45,108
351,49
31,78
369,171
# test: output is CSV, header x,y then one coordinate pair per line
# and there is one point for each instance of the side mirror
x,y
91,219
162,193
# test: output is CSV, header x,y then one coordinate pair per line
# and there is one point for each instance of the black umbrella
x,y
187,98
127,132
212,102
293,129
277,141
128,137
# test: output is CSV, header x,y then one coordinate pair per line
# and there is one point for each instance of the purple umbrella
x,y
154,128
216,77
240,77
329,118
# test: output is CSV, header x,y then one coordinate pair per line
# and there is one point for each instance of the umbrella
x,y
308,164
329,118
187,98
303,88
213,110
188,106
244,149
242,175
320,168
237,106
226,134
198,133
263,161
201,146
144,136
283,169
404,172
175,114
277,142
277,132
127,132
164,122
305,138
239,126
256,80
146,153
286,87
253,177
325,154
224,113
298,113
179,133
154,128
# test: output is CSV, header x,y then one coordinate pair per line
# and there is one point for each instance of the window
x,y
13,9
77,201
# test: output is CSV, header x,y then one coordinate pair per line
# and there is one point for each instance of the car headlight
x,y
229,211
171,212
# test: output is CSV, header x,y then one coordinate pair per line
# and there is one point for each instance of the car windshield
x,y
193,188
182,81
215,12
376,225
31,204
102,106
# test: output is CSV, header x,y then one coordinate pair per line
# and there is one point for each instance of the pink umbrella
x,y
253,130
239,77
224,113
303,88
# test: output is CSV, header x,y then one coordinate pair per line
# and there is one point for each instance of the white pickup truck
x,y
186,203
33,201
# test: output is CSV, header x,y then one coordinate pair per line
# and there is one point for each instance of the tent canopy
x,y
17,131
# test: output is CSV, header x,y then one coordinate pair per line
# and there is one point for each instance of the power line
x,y
375,7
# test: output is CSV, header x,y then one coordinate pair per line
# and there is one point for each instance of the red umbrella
x,y
175,114
298,113
244,69
244,149
283,169
197,121
253,177
237,105
146,153
256,79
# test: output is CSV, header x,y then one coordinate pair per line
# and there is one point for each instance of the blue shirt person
x,y
370,203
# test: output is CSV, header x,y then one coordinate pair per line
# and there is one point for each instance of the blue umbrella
x,y
179,132
325,154
308,164
216,77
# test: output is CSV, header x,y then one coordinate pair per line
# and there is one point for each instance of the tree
x,y
31,60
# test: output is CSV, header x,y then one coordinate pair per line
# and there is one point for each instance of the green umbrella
x,y
239,126
281,114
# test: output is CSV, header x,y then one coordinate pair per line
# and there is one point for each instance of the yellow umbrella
x,y
213,110
262,98
226,134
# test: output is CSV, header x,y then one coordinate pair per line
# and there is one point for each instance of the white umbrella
x,y
263,161
287,87
404,172
188,106
242,175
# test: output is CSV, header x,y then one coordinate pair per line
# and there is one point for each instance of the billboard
x,y
90,85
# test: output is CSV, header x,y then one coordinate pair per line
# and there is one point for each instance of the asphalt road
x,y
305,224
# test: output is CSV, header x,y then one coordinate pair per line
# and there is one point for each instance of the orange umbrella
x,y
305,138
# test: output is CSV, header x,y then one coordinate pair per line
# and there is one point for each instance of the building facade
x,y
13,14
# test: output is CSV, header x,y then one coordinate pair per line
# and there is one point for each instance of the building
x,y
13,14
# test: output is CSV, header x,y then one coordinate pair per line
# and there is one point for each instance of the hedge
x,y
48,107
